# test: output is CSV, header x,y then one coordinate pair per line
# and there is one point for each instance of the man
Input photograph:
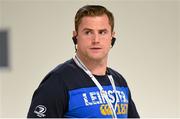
x,y
84,87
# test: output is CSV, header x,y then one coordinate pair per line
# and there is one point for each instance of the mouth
x,y
95,48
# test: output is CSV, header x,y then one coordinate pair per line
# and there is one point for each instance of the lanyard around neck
x,y
104,94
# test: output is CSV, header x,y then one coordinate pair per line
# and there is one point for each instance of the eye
x,y
102,32
88,32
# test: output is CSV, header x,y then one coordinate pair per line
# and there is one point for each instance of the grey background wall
x,y
147,51
179,53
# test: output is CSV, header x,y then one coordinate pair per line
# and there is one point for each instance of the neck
x,y
96,67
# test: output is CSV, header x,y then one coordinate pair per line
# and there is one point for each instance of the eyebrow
x,y
88,29
103,30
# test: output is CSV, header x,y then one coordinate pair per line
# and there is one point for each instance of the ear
x,y
74,33
113,39
75,40
113,34
74,37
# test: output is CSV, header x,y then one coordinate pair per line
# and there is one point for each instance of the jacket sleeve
x,y
132,111
50,100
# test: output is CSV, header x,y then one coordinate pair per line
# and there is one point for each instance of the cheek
x,y
108,43
83,42
82,45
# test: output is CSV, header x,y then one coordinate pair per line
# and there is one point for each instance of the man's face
x,y
94,37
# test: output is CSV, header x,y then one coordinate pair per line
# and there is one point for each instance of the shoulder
x,y
54,80
65,67
60,71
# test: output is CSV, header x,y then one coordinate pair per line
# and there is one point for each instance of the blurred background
x,y
35,36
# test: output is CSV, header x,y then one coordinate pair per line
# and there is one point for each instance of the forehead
x,y
95,22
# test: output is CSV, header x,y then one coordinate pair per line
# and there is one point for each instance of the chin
x,y
97,58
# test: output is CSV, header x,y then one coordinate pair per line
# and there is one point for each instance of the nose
x,y
96,39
